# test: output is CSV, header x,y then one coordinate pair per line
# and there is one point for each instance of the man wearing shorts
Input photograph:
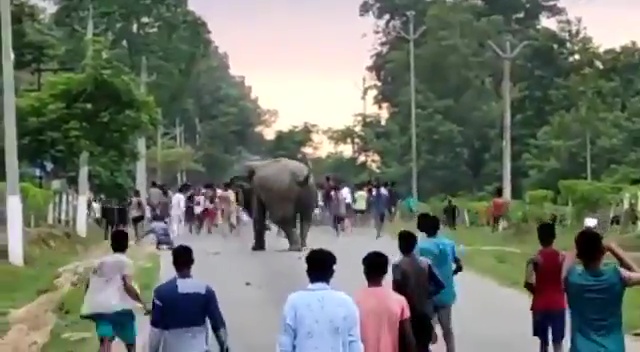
x,y
111,297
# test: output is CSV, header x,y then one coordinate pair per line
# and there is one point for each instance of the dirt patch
x,y
30,325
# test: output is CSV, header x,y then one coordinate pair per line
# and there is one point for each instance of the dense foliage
x,y
572,100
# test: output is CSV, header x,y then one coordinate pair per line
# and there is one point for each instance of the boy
x,y
160,230
111,296
544,281
384,314
595,291
441,252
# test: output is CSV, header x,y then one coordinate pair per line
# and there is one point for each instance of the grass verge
x,y
73,334
486,253
47,250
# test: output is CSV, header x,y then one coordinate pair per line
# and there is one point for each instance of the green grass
x,y
73,334
47,250
507,268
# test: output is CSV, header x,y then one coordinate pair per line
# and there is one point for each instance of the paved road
x,y
252,288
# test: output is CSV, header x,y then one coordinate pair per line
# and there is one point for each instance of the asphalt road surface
x,y
252,287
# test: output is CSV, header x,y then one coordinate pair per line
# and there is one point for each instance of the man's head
x,y
449,201
136,193
428,224
154,184
182,257
546,234
119,241
589,247
320,265
376,266
407,242
157,218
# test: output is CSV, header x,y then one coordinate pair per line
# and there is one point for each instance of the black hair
x,y
119,241
422,221
320,265
376,266
428,224
546,234
157,217
182,257
498,192
589,246
407,242
136,193
154,184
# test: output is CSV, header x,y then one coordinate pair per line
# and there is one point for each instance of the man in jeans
x,y
441,252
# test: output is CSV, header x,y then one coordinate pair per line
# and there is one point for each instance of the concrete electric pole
x,y
507,55
15,230
412,36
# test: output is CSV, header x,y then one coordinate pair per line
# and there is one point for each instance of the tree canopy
x,y
573,101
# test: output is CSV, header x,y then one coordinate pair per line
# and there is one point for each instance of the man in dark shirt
x,y
450,213
415,279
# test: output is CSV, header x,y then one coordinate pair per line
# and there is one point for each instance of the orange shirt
x,y
381,311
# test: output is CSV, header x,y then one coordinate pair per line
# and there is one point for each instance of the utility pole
x,y
141,164
507,56
159,132
15,234
412,36
83,162
179,145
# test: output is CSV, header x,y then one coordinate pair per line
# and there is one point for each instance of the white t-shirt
x,y
105,293
178,203
199,204
346,194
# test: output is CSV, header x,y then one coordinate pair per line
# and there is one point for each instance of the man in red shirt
x,y
544,281
498,209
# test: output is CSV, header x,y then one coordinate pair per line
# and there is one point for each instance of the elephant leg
x,y
289,229
259,225
305,224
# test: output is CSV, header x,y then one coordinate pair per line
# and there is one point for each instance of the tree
x,y
98,110
572,101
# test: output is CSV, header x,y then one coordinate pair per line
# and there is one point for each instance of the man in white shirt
x,y
178,206
111,296
348,200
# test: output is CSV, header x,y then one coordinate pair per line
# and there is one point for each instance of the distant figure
x,y
178,207
498,210
137,211
450,213
160,230
155,197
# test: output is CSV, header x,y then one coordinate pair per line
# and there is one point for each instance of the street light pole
x,y
412,36
15,235
507,56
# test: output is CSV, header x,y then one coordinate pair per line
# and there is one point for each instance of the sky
x,y
306,58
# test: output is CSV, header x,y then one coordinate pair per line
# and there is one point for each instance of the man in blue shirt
x,y
441,251
319,318
379,205
181,308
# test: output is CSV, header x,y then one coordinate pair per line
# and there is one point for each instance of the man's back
x,y
441,252
381,311
181,308
320,319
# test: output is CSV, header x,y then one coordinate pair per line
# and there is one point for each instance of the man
x,y
346,194
181,308
178,208
450,213
384,314
544,281
595,292
155,196
417,282
319,318
110,296
378,203
441,252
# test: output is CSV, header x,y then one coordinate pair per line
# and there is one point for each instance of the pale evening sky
x,y
306,58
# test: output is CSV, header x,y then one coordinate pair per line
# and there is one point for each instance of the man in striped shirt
x,y
181,308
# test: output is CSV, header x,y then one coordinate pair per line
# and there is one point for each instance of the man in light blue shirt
x,y
441,252
319,318
181,308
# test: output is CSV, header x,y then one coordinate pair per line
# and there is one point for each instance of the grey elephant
x,y
282,189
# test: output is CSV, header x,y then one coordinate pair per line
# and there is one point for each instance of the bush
x,y
35,201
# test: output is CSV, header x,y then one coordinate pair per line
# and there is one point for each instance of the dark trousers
x,y
422,332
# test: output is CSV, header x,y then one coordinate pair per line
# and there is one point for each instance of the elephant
x,y
284,191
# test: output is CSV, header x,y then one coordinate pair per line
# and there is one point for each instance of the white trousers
x,y
176,223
